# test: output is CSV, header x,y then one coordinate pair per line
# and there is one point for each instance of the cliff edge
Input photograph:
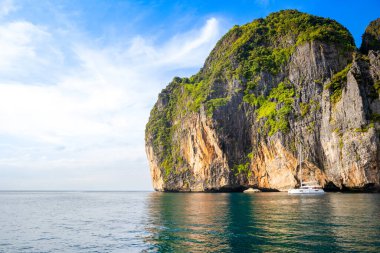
x,y
267,87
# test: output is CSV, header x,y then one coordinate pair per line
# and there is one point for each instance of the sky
x,y
79,78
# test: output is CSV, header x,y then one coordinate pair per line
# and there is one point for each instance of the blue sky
x,y
78,79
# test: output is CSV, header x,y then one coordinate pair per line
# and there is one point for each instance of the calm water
x,y
175,222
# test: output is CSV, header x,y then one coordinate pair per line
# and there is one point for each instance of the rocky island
x,y
288,80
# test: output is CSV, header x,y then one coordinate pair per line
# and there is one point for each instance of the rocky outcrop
x,y
371,37
266,89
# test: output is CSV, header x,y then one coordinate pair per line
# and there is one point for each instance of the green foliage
x,y
275,108
304,108
371,37
242,169
376,85
336,84
338,132
283,93
251,85
267,109
365,128
311,127
374,91
315,106
360,57
264,58
266,44
276,125
212,104
309,27
197,93
160,126
375,117
253,100
168,165
341,143
331,32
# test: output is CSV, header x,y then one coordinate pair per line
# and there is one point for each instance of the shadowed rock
x,y
371,37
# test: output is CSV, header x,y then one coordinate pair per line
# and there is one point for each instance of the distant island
x,y
288,80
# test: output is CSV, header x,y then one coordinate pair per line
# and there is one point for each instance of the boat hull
x,y
306,191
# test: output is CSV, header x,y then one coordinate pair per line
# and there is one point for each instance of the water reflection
x,y
181,222
356,219
235,222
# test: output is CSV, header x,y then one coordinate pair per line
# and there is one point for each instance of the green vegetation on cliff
x,y
160,125
275,108
266,44
337,83
234,69
371,37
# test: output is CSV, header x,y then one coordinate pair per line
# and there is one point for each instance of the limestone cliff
x,y
267,87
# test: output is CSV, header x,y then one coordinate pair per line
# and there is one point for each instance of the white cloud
x,y
6,7
80,124
27,52
192,46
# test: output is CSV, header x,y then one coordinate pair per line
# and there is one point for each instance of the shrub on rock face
x,y
371,37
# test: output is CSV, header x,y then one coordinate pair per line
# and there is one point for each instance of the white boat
x,y
306,187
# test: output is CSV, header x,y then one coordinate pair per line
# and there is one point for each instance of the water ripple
x,y
157,222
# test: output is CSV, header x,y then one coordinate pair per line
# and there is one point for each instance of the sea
x,y
188,222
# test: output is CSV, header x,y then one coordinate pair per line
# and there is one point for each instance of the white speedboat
x,y
306,187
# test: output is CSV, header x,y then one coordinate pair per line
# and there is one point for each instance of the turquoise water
x,y
178,222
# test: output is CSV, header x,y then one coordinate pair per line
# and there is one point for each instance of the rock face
x,y
269,87
371,37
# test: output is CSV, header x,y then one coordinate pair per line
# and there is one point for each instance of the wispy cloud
x,y
78,111
6,7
